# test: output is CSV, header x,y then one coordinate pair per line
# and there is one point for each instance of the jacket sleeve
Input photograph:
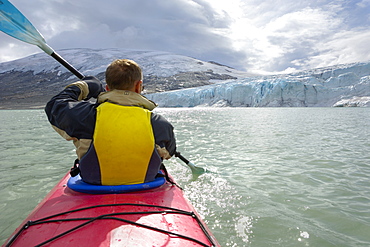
x,y
163,133
69,113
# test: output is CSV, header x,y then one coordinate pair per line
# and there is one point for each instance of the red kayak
x,y
159,216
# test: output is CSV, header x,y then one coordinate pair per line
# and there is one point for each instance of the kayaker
x,y
118,139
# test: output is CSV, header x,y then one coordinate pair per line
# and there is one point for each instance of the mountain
x,y
345,85
178,81
30,82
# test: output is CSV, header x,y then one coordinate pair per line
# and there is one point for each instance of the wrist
x,y
84,89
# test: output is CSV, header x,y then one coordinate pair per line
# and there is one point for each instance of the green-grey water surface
x,y
276,176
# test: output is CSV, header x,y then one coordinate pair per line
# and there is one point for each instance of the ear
x,y
138,86
107,88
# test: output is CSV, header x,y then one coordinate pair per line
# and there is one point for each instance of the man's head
x,y
124,74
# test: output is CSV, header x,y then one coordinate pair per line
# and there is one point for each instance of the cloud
x,y
342,47
295,36
283,36
183,27
257,36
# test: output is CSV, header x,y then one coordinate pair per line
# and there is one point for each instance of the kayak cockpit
x,y
77,184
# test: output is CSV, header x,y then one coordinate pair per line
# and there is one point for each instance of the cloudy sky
x,y
266,36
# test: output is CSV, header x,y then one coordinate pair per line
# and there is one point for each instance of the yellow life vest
x,y
123,146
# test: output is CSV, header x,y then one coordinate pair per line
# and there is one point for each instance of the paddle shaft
x,y
62,61
178,155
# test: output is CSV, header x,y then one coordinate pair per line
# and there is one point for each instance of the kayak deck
x,y
155,217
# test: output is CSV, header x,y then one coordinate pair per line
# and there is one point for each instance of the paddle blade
x,y
15,24
196,170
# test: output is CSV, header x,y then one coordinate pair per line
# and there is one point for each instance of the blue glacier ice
x,y
342,85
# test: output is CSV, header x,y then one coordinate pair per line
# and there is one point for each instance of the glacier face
x,y
342,85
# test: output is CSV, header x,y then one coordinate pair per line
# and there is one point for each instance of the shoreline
x,y
20,106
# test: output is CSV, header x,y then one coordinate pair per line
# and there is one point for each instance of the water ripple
x,y
276,176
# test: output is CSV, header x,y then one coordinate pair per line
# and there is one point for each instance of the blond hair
x,y
122,74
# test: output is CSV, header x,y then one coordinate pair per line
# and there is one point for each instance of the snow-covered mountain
x,y
342,85
182,81
32,81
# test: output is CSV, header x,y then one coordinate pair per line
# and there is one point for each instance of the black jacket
x,y
73,116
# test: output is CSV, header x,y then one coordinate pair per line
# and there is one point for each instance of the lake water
x,y
276,176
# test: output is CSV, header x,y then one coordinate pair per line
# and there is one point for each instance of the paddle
x,y
194,169
15,24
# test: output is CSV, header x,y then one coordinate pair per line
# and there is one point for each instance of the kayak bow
x,y
160,216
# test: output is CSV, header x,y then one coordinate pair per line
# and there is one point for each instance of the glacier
x,y
345,85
